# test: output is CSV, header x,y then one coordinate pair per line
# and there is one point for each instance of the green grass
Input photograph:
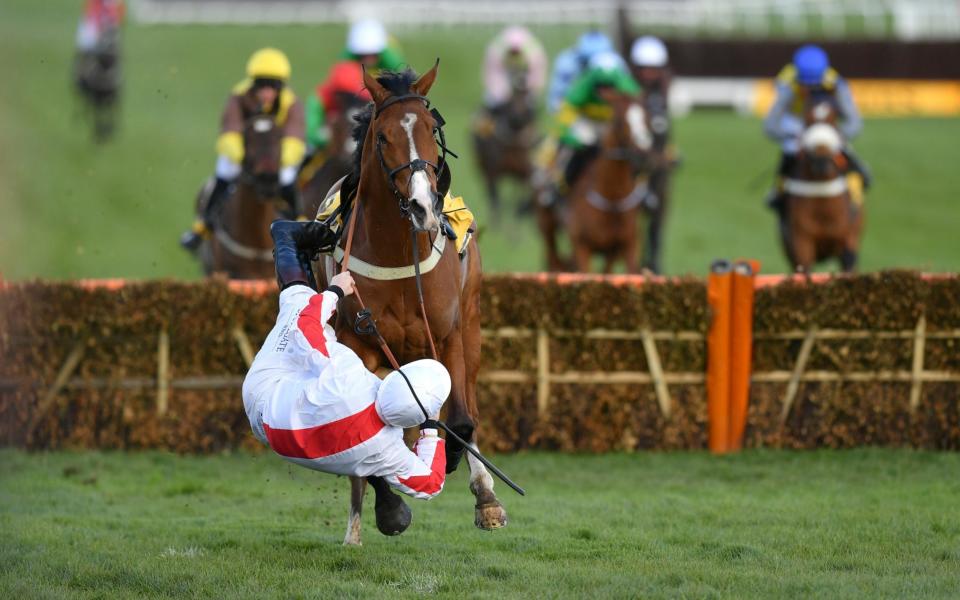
x,y
69,208
855,524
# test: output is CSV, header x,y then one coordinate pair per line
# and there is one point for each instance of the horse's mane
x,y
397,83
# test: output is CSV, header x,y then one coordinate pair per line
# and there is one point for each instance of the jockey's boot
x,y
203,226
856,164
294,245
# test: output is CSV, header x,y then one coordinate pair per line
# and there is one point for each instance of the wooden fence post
x,y
543,372
794,383
163,372
69,365
656,371
916,374
243,344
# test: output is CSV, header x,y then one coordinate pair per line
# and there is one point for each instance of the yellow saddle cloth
x,y
460,217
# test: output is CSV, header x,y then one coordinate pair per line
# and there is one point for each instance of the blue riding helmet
x,y
811,63
591,43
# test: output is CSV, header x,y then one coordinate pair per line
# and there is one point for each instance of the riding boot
x,y
203,225
290,256
291,194
857,165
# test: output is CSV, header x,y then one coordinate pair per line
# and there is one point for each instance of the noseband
x,y
417,164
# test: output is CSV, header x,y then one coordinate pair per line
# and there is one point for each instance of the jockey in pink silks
x,y
515,51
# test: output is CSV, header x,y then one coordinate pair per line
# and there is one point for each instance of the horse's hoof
x,y
490,516
393,520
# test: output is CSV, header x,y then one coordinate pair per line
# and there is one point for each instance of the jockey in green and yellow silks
x,y
367,44
263,92
809,76
580,118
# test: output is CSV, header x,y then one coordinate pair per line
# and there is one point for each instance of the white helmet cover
x,y
396,405
648,51
367,37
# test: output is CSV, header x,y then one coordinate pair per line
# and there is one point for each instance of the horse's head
x,y
261,159
630,133
400,143
819,108
820,148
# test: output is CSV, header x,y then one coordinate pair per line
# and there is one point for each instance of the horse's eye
x,y
381,138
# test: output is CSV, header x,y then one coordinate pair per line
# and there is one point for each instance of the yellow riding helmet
x,y
268,63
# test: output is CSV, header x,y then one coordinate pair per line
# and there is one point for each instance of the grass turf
x,y
73,209
854,524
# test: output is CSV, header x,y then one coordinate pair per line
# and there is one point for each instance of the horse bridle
x,y
418,164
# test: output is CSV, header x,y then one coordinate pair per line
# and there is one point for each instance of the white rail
x,y
901,19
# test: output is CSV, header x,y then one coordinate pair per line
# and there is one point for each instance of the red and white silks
x,y
311,400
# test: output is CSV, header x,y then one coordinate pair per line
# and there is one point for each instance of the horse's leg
x,y
488,512
458,418
358,486
651,259
494,195
581,257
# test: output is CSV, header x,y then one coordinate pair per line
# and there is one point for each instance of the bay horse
x,y
241,246
338,157
503,139
605,199
400,184
823,220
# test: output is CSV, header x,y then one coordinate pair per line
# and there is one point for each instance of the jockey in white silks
x,y
514,49
311,399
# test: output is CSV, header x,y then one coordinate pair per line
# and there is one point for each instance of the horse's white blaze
x,y
419,183
821,135
638,127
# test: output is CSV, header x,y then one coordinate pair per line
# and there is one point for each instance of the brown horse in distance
x,y
824,220
503,139
339,155
396,174
606,197
241,246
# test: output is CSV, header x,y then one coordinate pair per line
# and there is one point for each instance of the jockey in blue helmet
x,y
809,75
572,62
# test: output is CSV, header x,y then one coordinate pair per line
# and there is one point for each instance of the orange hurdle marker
x,y
741,350
719,285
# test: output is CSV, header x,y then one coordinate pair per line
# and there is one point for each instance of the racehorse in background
x,y
605,197
824,208
97,77
503,139
320,173
241,246
400,181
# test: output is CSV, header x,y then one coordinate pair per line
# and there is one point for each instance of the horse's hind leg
x,y
848,260
358,486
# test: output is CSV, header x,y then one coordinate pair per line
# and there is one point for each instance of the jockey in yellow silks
x,y
809,74
263,92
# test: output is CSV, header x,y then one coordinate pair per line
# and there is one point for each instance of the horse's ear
x,y
377,91
422,86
